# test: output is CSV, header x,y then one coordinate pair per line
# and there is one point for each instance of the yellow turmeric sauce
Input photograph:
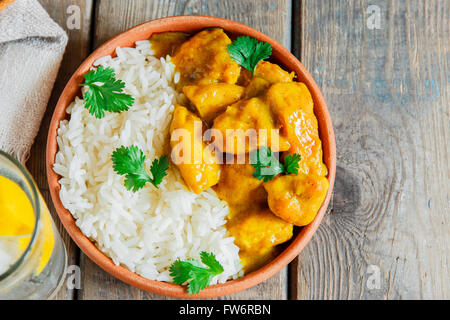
x,y
167,43
225,96
17,222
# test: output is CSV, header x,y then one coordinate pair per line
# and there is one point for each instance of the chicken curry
x,y
225,97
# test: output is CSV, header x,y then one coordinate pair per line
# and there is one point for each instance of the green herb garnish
x,y
267,165
191,270
105,92
291,163
129,161
248,52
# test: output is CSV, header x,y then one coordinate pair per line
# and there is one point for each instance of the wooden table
x,y
383,69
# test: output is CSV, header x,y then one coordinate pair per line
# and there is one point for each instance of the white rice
x,y
148,230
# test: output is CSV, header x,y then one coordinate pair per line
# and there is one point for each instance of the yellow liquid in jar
x,y
17,222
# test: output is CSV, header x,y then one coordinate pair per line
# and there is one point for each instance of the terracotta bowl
x,y
190,24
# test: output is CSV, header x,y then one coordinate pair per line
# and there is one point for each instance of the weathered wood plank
x,y
271,17
388,93
77,49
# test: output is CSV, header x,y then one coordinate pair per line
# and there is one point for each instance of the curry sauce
x,y
225,97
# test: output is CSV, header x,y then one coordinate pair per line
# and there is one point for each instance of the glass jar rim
x,y
36,209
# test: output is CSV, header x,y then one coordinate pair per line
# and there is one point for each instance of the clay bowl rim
x,y
190,24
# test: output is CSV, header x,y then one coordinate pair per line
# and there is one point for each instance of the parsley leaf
x,y
247,52
105,92
180,271
129,161
158,169
291,163
267,165
201,278
191,270
210,260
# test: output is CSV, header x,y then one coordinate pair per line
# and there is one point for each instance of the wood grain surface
x,y
77,50
387,90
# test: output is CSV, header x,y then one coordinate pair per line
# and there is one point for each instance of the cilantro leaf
x,y
291,163
105,92
180,271
201,278
191,270
158,169
130,161
210,260
248,52
266,164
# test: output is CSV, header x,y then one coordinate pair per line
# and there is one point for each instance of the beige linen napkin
x,y
31,49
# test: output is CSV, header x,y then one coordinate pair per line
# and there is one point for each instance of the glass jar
x,y
32,264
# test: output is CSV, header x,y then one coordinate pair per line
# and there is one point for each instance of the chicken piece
x,y
167,43
249,120
204,59
239,188
198,165
296,198
266,74
244,77
256,233
252,261
212,99
272,72
293,105
257,230
256,87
